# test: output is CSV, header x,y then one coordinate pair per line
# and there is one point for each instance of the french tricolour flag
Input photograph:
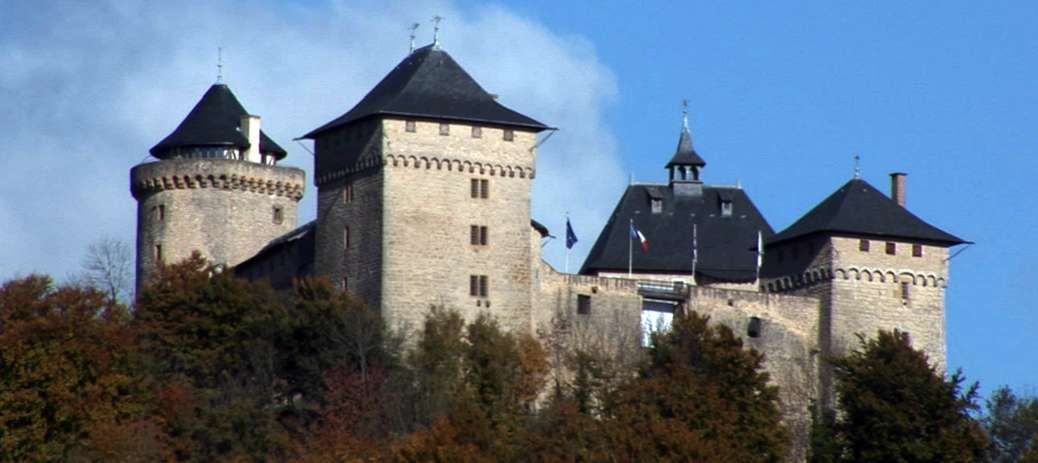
x,y
637,235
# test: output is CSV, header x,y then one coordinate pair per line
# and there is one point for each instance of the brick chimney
x,y
897,187
250,127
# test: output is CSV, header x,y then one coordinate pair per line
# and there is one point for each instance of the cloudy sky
x,y
781,98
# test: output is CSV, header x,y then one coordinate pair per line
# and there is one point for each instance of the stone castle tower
x,y
424,196
215,188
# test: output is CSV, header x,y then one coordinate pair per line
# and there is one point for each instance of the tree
x,y
700,397
70,382
108,266
895,406
1012,425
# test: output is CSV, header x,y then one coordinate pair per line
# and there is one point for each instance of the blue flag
x,y
571,238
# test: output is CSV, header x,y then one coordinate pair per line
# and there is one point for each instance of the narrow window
x,y
917,250
904,292
473,285
891,248
483,286
509,135
279,215
445,129
753,329
347,193
477,131
345,283
474,234
162,212
346,239
475,188
158,253
726,208
583,304
483,236
484,188
863,245
409,126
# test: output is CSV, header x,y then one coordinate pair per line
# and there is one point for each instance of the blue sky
x,y
780,99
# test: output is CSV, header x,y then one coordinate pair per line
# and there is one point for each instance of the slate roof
x,y
293,251
858,208
725,243
685,153
429,83
214,121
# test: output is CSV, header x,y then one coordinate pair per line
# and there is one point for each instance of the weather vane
x,y
436,30
684,113
413,28
857,167
219,64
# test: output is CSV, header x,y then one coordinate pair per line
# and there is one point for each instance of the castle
x,y
424,199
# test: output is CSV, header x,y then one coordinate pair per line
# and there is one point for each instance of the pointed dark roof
x,y
858,208
214,121
685,155
429,83
726,244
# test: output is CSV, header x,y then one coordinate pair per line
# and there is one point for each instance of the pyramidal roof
x,y
685,154
858,208
214,121
429,83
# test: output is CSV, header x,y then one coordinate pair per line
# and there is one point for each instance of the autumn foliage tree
x,y
71,384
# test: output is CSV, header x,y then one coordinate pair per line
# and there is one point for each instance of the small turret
x,y
685,166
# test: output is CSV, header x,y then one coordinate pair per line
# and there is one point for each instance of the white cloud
x,y
87,89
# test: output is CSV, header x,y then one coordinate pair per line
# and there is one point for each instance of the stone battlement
x,y
225,174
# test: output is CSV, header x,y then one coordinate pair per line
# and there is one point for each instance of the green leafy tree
x,y
1011,424
895,406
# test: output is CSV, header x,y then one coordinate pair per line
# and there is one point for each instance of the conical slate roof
x,y
685,155
214,121
858,208
429,83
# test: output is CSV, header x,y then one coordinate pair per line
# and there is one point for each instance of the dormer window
x,y
726,208
657,205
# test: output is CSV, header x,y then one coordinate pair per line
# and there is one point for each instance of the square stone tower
x,y
424,196
873,265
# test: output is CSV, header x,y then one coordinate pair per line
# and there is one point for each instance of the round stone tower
x,y
215,188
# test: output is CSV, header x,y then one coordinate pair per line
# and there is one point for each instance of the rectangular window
x,y
891,248
158,253
445,129
346,239
484,188
279,215
917,250
475,187
345,283
753,329
726,208
477,131
904,291
583,304
409,126
657,205
473,285
483,286
509,135
162,212
863,245
478,235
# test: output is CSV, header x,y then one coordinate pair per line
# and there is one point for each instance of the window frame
x,y
583,304
917,250
863,245
477,131
891,248
445,129
508,135
410,126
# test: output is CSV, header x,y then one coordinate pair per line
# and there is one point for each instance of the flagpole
x,y
695,253
630,248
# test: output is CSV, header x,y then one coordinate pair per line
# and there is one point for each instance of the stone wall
x,y
427,213
220,207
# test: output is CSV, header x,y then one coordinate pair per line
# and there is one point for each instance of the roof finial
x,y
857,167
414,27
684,114
436,30
219,64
